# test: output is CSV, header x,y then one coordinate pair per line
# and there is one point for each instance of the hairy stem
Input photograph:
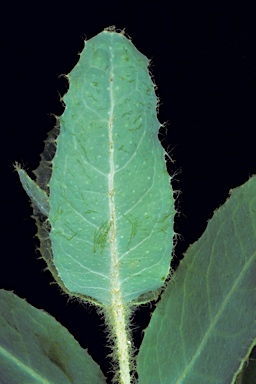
x,y
122,343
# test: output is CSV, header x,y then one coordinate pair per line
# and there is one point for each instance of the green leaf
x,y
38,197
204,325
111,203
35,348
105,219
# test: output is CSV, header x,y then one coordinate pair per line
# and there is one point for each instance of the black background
x,y
204,64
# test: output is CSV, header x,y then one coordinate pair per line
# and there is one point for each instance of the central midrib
x,y
117,309
115,280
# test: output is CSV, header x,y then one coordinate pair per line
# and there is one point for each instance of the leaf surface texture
x,y
206,320
35,348
111,203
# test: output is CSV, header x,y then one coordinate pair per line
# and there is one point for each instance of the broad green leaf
x,y
204,325
35,348
111,203
105,210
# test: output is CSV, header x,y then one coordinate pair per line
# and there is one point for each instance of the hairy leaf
x,y
111,207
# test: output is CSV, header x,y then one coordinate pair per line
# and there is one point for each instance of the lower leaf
x,y
35,348
205,323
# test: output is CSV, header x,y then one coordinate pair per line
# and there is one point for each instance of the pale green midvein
x,y
215,319
117,306
24,367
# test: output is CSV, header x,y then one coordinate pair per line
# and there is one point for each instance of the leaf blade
x,y
108,232
200,319
35,348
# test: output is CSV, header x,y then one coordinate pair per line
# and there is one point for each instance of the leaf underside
x,y
205,323
111,203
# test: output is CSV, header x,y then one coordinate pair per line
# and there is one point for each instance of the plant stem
x,y
122,343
